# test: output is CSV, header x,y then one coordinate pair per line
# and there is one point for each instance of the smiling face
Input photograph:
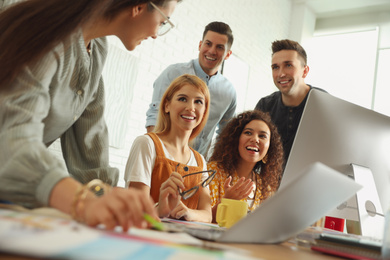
x,y
254,141
186,109
288,71
137,23
213,50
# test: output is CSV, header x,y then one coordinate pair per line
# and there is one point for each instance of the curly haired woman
x,y
248,159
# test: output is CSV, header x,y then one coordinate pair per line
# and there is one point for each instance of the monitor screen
x,y
338,134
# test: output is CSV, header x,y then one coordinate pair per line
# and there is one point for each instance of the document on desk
x,y
173,225
348,245
50,237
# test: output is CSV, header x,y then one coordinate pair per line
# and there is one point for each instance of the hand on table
x,y
181,211
123,207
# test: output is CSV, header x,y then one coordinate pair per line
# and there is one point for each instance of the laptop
x,y
293,208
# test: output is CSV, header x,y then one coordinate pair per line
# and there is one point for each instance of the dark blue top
x,y
285,118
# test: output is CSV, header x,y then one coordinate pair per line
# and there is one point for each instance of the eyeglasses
x,y
166,25
189,193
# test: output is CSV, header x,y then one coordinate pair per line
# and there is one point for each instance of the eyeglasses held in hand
x,y
166,26
189,193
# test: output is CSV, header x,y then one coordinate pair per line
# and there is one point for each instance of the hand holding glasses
x,y
190,192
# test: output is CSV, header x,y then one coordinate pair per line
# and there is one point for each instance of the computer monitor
x,y
352,140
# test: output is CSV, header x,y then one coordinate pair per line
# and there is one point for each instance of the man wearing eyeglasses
x,y
214,48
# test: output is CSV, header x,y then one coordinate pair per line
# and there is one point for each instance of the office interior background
x,y
347,42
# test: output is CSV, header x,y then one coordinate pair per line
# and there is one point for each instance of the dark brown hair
x,y
287,44
221,28
31,28
226,149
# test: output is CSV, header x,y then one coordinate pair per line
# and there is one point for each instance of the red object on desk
x,y
334,223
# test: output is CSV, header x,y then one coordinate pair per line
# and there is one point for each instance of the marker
x,y
155,224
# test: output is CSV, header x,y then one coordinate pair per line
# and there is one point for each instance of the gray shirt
x,y
61,96
4,3
222,107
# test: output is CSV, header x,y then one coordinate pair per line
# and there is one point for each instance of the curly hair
x,y
226,153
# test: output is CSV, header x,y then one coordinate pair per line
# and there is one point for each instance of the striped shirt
x,y
62,96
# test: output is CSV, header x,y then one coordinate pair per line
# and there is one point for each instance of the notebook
x,y
349,246
298,205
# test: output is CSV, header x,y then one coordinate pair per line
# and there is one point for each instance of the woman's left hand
x,y
181,211
240,190
169,194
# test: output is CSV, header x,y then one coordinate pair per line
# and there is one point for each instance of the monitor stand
x,y
369,208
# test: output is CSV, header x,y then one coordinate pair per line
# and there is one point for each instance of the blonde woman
x,y
163,165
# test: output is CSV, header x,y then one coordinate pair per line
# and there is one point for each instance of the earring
x,y
265,158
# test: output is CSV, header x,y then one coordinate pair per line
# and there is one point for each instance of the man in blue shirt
x,y
289,70
214,48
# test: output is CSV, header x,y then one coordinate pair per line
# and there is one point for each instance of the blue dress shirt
x,y
222,106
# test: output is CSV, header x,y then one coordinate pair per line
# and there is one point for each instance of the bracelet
x,y
97,187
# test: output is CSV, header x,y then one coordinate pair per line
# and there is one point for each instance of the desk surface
x,y
286,250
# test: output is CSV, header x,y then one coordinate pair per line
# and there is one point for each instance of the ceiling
x,y
331,8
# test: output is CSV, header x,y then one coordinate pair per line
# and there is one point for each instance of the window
x,y
344,65
237,72
382,103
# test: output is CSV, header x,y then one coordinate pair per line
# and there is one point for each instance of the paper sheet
x,y
45,236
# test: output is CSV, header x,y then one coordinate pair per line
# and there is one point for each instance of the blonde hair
x,y
163,120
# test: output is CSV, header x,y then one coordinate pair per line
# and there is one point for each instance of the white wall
x,y
303,21
255,24
361,22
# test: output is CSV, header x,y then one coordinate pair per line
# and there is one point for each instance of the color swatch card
x,y
41,236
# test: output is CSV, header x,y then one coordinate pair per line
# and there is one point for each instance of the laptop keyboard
x,y
206,233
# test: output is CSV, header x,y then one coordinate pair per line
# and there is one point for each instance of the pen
x,y
155,224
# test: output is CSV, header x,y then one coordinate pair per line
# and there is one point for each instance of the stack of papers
x,y
41,236
348,245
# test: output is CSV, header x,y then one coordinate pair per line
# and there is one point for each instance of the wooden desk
x,y
286,250
283,251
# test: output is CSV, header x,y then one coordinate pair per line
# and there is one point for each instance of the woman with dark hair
x,y
162,162
52,54
248,160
